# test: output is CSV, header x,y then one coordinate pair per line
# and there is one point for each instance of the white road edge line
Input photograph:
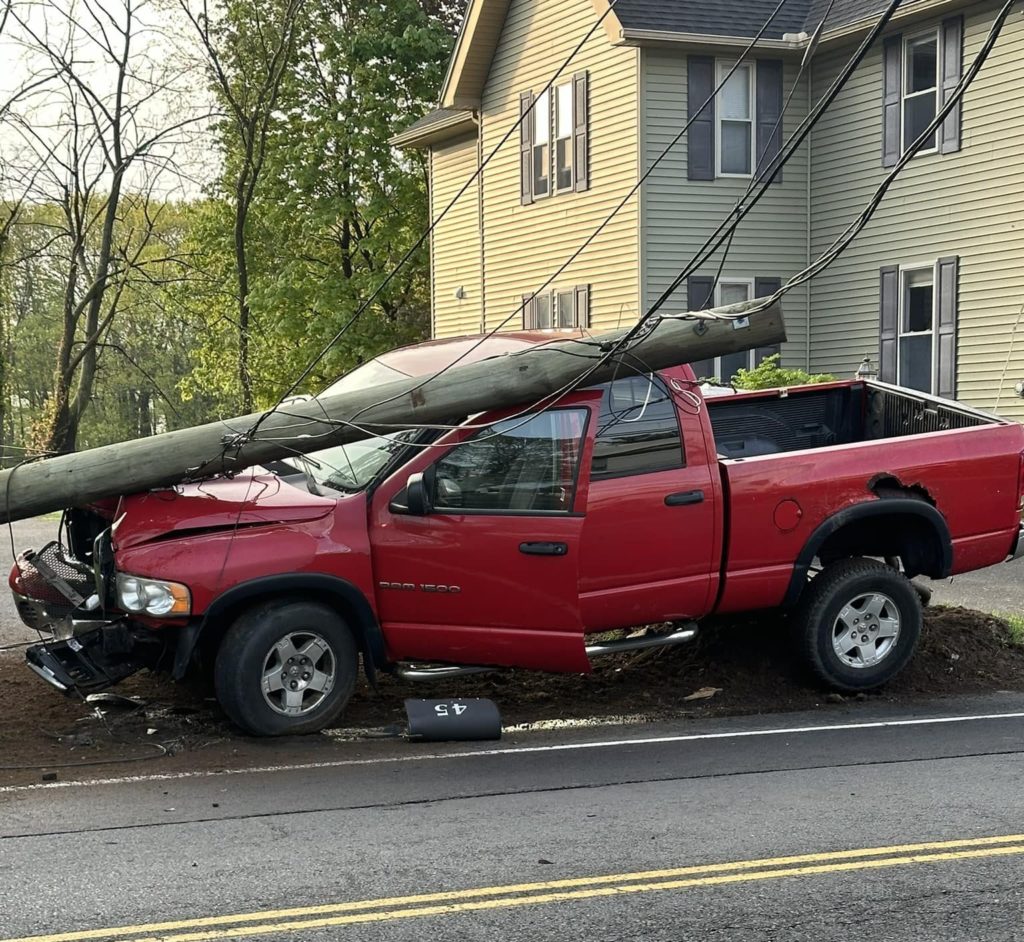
x,y
511,751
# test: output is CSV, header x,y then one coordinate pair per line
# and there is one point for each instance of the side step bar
x,y
679,636
445,671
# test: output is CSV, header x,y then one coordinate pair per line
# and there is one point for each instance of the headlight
x,y
152,596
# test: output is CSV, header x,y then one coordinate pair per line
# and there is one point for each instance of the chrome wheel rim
x,y
298,673
866,630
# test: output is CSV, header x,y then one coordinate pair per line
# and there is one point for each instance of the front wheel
x,y
859,623
286,667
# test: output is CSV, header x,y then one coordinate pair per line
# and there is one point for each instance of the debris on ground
x,y
736,667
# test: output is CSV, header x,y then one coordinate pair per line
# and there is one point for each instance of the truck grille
x,y
36,586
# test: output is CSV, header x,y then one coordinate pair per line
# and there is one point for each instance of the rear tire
x,y
286,668
858,624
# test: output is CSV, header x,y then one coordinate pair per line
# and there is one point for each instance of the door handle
x,y
684,499
544,549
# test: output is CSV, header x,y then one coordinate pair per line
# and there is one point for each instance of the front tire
x,y
859,623
286,668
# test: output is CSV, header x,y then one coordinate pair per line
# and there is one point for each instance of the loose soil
x,y
742,667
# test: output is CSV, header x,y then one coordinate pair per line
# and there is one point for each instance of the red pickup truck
x,y
508,541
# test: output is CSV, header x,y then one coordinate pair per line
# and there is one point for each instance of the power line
x,y
616,209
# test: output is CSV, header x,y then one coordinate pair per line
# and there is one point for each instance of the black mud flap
x,y
86,663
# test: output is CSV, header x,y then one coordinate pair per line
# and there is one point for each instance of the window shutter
x,y
892,120
529,312
763,288
581,132
952,69
700,143
526,149
889,323
582,301
947,272
769,115
700,292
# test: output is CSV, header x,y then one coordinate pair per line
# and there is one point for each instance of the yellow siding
x,y
969,204
456,259
525,245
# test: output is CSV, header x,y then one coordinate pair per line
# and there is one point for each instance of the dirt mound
x,y
742,666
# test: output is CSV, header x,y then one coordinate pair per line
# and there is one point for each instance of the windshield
x,y
352,467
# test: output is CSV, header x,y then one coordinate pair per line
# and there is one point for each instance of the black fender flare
x,y
885,506
367,629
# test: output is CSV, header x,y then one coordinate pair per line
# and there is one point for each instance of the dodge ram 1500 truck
x,y
509,540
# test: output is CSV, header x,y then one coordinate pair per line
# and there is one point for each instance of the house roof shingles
x,y
712,17
734,18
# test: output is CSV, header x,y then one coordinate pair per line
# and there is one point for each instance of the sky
x,y
167,87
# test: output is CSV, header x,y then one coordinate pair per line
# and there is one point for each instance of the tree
x,y
338,206
249,50
97,143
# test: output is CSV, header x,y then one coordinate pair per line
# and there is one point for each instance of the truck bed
x,y
791,460
774,421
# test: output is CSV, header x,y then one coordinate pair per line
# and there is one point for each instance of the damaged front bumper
x,y
94,660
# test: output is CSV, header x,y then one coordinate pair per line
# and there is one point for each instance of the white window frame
x,y
906,271
571,138
722,68
905,96
552,296
749,284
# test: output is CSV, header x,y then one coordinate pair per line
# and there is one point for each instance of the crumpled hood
x,y
248,500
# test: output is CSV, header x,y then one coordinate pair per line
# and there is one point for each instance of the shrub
x,y
768,374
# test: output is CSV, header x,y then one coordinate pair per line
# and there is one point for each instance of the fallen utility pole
x,y
517,379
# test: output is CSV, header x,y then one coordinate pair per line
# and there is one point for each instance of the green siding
x,y
679,214
969,204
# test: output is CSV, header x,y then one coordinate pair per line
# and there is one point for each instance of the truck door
x,y
652,533
488,573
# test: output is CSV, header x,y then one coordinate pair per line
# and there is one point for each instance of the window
x,y
920,87
565,310
564,125
554,146
920,73
735,130
916,353
917,326
637,429
541,312
735,121
541,145
731,291
517,465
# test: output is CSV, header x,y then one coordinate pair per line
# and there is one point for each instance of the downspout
x,y
480,217
433,254
810,283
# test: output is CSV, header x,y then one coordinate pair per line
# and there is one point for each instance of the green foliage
x,y
336,206
768,374
1015,627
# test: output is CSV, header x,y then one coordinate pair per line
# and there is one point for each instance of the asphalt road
x,y
747,829
24,534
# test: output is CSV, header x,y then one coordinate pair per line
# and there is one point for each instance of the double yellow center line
x,y
278,921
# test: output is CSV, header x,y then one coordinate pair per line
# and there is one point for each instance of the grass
x,y
1015,624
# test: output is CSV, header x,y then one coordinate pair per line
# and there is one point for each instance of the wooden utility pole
x,y
517,379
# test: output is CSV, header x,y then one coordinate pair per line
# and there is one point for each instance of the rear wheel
x,y
859,623
286,667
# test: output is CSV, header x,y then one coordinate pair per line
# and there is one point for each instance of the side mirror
x,y
417,496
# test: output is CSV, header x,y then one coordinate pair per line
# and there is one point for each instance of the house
x,y
933,288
